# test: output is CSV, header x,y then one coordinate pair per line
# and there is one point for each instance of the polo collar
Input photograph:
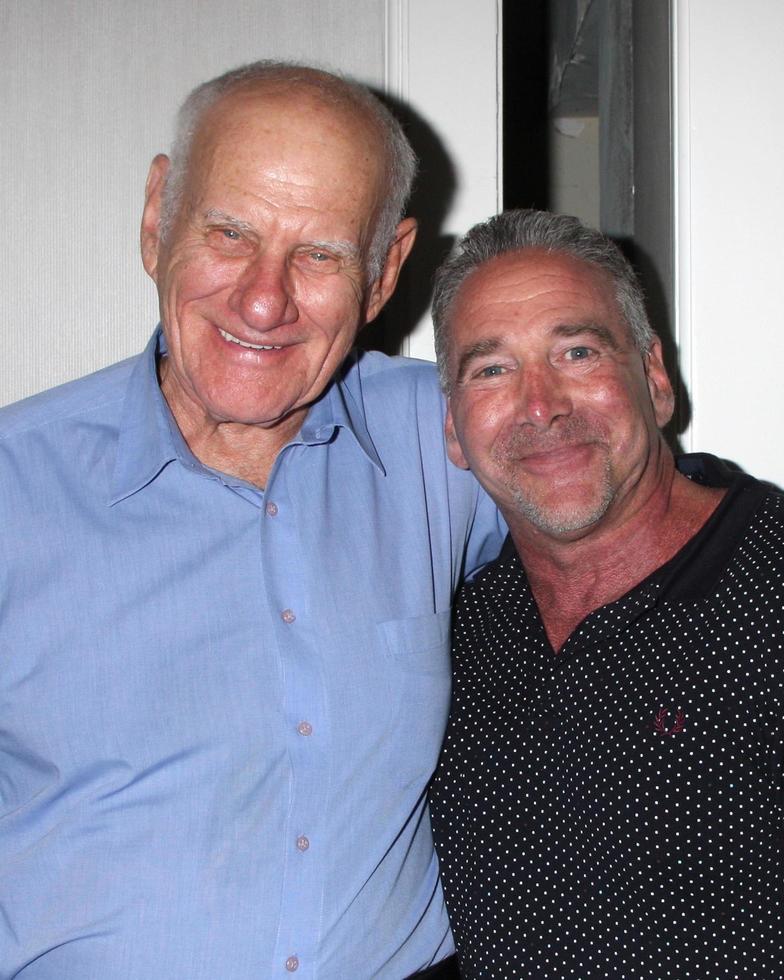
x,y
694,571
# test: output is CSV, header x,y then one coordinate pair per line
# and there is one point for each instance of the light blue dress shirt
x,y
220,707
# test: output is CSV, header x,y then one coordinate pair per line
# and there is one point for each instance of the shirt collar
x,y
149,438
145,443
341,407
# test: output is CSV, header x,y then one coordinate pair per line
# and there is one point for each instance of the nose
x,y
263,295
542,396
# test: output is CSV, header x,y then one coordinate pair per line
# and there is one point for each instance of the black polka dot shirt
x,y
615,810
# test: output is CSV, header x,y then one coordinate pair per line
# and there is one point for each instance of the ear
x,y
453,449
384,286
151,216
659,387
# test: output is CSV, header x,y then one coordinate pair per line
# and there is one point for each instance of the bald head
x,y
352,107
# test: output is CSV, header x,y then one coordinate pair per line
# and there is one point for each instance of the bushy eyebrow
x,y
603,334
488,345
218,217
346,250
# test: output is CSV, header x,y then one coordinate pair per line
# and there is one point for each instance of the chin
x,y
562,518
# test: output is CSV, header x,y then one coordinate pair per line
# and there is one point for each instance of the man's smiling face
x,y
261,279
551,405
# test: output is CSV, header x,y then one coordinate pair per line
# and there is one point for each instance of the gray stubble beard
x,y
552,520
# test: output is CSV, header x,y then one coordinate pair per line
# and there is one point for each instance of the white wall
x,y
729,203
90,89
450,73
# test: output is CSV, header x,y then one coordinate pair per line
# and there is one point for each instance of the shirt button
x,y
292,963
288,616
303,843
305,728
272,509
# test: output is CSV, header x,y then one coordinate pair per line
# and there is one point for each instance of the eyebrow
x,y
215,215
488,345
598,330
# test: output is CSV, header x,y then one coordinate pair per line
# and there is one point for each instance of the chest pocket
x,y
419,644
419,673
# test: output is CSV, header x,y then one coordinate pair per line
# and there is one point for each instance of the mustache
x,y
525,440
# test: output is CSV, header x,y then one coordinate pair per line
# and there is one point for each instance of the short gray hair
x,y
513,231
401,161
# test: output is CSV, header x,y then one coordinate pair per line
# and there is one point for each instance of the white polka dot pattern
x,y
616,810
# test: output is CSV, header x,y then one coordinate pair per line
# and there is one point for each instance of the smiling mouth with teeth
x,y
242,343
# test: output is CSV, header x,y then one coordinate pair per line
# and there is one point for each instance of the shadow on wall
x,y
526,167
658,312
527,52
659,316
431,199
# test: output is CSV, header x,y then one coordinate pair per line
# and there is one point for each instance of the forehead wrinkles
x,y
286,153
534,290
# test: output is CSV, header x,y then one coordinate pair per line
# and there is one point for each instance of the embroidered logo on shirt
x,y
660,727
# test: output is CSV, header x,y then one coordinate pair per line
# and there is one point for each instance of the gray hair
x,y
401,161
513,231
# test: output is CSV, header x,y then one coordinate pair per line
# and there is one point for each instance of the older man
x,y
609,800
226,578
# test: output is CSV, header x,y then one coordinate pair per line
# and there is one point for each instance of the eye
x,y
578,353
229,241
491,371
319,257
488,371
318,260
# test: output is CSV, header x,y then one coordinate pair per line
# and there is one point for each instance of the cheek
x,y
621,410
479,419
334,304
613,398
194,278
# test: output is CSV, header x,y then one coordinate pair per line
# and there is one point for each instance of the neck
x,y
245,451
237,449
570,578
